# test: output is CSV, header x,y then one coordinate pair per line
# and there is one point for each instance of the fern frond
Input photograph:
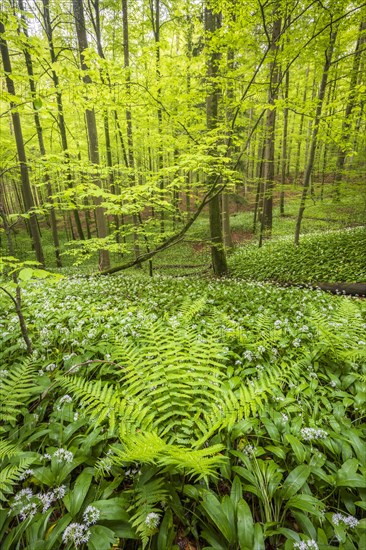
x,y
10,476
149,448
98,399
16,390
147,505
7,450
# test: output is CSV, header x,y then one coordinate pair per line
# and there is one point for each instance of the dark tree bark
x,y
212,23
104,260
22,158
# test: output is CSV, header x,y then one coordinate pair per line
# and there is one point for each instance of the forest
x,y
182,274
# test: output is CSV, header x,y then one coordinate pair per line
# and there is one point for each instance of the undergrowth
x,y
332,256
174,413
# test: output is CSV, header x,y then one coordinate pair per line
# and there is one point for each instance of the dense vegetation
x,y
188,403
333,256
184,414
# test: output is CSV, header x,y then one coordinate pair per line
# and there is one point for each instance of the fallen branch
x,y
346,289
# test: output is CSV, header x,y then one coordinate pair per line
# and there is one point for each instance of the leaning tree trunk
x,y
212,23
24,173
104,260
39,130
314,139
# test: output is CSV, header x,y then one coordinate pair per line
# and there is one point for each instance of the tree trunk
x,y
284,160
269,160
24,173
212,23
104,260
39,130
314,139
60,110
346,126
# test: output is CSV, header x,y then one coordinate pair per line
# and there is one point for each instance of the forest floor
x,y
186,413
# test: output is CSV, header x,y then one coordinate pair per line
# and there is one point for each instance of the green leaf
x,y
101,538
212,506
258,541
75,498
25,274
236,492
37,103
166,531
307,503
297,447
294,481
245,526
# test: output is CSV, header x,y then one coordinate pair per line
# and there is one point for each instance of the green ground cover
x,y
330,256
182,413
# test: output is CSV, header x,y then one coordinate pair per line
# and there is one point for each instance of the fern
x,y
10,476
174,394
98,399
147,503
151,449
16,391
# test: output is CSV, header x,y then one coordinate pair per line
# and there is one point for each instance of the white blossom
x,y
76,533
152,520
91,515
312,434
350,521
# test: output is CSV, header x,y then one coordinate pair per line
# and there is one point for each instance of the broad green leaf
x,y
213,508
101,538
25,274
294,481
236,492
75,497
166,531
297,447
245,525
258,540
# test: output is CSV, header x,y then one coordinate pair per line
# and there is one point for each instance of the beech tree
x,y
145,116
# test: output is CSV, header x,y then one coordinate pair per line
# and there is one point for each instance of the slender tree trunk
x,y
104,260
212,23
346,127
155,19
60,110
314,139
39,130
298,155
284,160
269,166
22,158
130,142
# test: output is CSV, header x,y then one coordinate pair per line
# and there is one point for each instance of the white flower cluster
x,y
91,515
349,521
249,450
306,544
312,434
26,474
152,520
76,533
29,509
62,455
